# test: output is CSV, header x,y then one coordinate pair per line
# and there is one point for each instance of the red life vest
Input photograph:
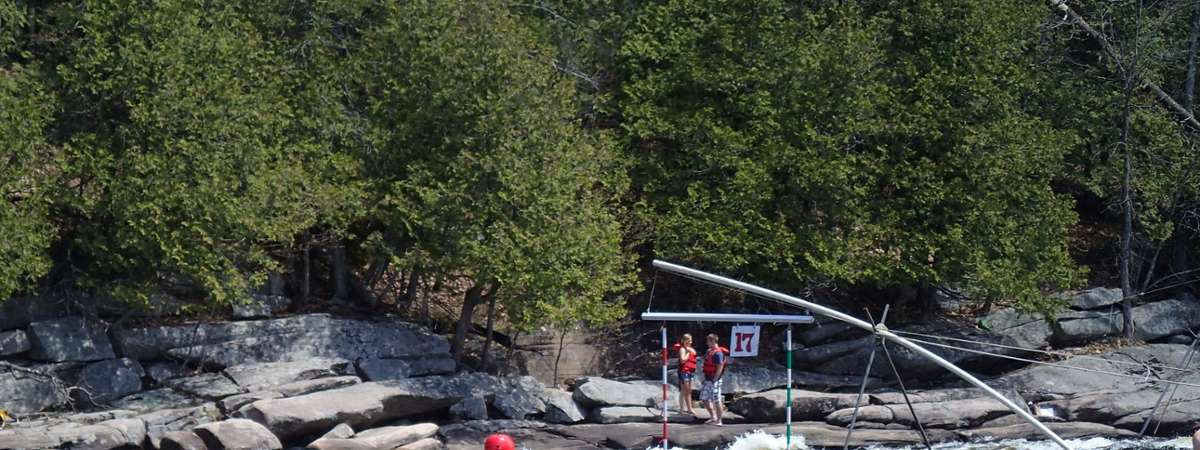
x,y
688,365
710,364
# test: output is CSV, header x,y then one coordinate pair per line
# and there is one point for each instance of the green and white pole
x,y
789,388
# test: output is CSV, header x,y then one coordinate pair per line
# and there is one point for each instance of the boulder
x,y
210,386
13,342
19,312
338,444
911,364
111,379
944,395
341,431
561,408
320,384
1024,330
296,338
470,408
953,414
181,440
771,406
156,400
1038,383
628,414
825,332
237,434
260,306
161,422
1161,319
69,339
366,404
423,444
520,398
111,434
394,437
160,372
379,369
265,376
230,405
1095,298
1065,430
596,391
820,354
1077,328
882,414
30,390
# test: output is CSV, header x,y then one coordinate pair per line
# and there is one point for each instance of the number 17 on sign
x,y
744,341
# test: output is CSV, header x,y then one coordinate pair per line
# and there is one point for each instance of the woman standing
x,y
687,373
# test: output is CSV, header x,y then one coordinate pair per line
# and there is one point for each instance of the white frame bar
x,y
881,331
735,318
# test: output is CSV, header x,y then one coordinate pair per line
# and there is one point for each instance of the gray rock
x,y
520,398
1178,339
118,433
1161,319
341,431
1095,298
596,391
746,379
423,444
561,408
379,369
230,405
161,422
912,364
1025,330
160,372
27,392
366,404
237,434
181,440
69,339
296,338
1039,383
338,444
156,400
820,354
109,380
470,408
397,436
1077,328
210,386
13,342
320,384
832,330
771,406
628,414
260,306
19,312
953,414
1066,430
265,376
944,395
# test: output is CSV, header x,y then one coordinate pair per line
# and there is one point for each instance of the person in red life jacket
x,y
687,373
714,369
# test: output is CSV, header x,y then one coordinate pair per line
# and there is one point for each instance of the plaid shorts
x,y
710,391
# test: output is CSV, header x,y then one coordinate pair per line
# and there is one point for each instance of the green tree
x,y
26,161
481,168
181,129
881,143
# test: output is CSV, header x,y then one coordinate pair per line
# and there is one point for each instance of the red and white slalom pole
x,y
665,403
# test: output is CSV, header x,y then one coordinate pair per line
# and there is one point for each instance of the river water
x,y
762,441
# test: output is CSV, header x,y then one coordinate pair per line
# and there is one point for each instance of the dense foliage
x,y
527,155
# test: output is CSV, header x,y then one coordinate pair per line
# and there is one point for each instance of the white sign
x,y
744,341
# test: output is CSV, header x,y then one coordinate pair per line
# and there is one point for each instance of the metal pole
x,y
881,330
788,440
862,388
900,381
1187,359
664,386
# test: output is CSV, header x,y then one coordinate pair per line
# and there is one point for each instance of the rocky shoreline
x,y
324,382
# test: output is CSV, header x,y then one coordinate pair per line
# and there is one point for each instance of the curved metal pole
x,y
881,330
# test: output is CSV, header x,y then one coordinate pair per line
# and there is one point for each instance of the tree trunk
x,y
491,328
341,288
1127,220
307,289
410,291
470,301
562,340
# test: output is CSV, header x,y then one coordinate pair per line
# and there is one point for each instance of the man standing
x,y
714,369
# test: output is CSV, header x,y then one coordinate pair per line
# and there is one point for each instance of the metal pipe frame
x,y
735,318
880,331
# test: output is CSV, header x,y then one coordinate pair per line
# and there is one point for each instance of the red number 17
x,y
748,337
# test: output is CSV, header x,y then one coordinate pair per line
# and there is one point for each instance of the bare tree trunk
x,y
491,328
562,340
470,301
1127,219
341,289
410,292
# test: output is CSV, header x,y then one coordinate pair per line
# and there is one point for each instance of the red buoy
x,y
499,441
